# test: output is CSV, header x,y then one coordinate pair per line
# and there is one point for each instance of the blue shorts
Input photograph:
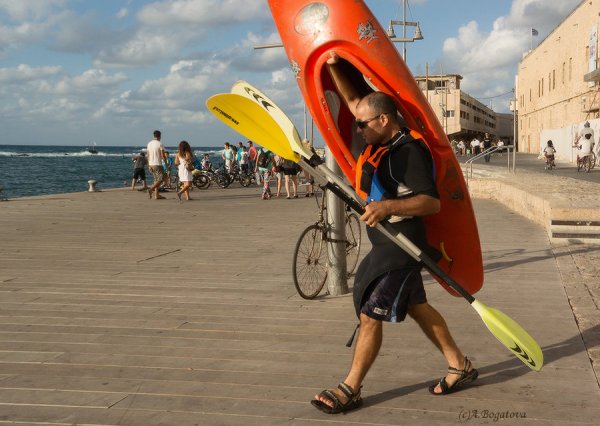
x,y
389,296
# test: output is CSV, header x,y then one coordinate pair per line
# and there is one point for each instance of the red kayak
x,y
310,30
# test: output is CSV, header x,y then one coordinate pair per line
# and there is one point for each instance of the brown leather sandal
x,y
465,377
354,400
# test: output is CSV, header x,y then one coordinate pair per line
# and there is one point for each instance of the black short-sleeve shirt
x,y
408,165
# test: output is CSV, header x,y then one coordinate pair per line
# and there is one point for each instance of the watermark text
x,y
494,415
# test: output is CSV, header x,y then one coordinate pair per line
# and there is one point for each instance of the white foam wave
x,y
59,154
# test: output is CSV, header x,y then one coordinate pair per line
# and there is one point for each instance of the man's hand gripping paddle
x,y
252,114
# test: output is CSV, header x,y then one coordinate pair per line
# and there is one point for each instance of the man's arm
x,y
347,90
419,205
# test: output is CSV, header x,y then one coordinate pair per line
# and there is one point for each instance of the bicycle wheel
x,y
310,262
352,242
201,181
245,180
223,181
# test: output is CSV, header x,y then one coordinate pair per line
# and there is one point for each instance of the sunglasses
x,y
361,124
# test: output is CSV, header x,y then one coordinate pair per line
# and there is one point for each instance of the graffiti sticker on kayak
x,y
366,31
295,69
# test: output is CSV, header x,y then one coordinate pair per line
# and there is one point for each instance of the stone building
x,y
557,83
461,115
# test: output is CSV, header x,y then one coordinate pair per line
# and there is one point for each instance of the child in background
x,y
206,163
549,154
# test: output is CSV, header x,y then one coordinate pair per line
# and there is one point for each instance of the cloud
x,y
20,10
144,48
89,81
201,12
245,57
179,94
482,56
167,28
122,13
12,37
23,73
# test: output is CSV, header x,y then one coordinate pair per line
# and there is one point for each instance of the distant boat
x,y
92,149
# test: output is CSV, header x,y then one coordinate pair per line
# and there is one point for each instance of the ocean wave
x,y
60,154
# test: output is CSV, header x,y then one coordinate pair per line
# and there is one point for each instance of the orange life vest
x,y
366,165
368,161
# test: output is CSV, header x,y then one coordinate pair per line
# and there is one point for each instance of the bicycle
x,y
550,163
204,178
585,162
310,261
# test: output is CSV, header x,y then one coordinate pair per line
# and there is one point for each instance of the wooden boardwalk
x,y
118,310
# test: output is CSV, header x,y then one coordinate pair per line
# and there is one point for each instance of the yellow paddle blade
x,y
511,335
243,88
252,121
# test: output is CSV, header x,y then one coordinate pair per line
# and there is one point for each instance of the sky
x,y
77,72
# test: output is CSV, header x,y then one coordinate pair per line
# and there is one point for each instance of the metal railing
x,y
489,151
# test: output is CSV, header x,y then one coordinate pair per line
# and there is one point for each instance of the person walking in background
x,y
264,165
252,155
290,172
475,146
454,146
500,145
487,143
184,160
238,154
206,163
168,166
244,167
156,155
139,170
227,156
461,147
278,172
310,181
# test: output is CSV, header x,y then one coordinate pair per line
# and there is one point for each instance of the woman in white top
x,y
185,164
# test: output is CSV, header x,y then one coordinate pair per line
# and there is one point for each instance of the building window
x,y
450,113
563,72
553,79
570,68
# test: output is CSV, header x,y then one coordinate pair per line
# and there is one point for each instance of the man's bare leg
x,y
435,328
367,347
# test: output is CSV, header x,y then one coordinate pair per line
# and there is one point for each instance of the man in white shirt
x,y
585,145
156,154
475,146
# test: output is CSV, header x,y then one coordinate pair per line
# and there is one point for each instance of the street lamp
x,y
392,35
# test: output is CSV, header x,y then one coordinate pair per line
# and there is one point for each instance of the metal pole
x,y
337,275
514,130
404,31
305,124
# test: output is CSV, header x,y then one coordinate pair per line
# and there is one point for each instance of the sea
x,y
28,170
